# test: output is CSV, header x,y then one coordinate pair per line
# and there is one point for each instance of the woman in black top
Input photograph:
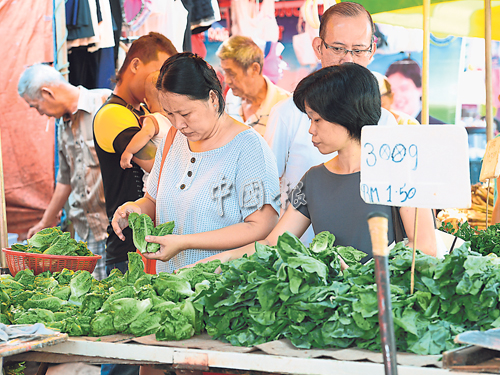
x,y
339,100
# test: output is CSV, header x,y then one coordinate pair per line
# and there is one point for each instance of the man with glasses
x,y
252,95
346,34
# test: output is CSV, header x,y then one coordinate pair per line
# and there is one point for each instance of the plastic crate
x,y
38,263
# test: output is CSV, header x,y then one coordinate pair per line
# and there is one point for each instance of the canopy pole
x,y
425,62
4,240
488,74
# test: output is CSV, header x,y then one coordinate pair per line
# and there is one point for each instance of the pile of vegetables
x,y
481,241
143,226
290,291
136,303
53,241
283,291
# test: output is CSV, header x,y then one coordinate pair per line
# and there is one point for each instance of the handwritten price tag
x,y
415,166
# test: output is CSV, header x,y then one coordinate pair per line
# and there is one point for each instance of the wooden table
x,y
177,358
16,346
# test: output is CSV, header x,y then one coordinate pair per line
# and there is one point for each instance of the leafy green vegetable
x,y
44,237
200,272
143,226
102,325
62,245
284,292
46,302
160,230
25,277
126,310
80,284
322,241
175,324
135,268
14,368
481,241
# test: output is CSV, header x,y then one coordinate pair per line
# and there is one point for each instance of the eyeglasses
x,y
341,51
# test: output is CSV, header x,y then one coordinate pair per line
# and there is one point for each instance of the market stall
x,y
257,362
281,310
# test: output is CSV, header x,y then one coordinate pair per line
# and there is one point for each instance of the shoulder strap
x,y
169,139
115,99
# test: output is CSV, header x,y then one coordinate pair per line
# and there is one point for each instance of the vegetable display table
x,y
17,346
173,358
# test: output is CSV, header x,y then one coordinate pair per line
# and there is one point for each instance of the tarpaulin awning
x,y
27,138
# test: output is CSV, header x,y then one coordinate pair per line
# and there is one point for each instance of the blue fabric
x,y
110,369
105,68
267,49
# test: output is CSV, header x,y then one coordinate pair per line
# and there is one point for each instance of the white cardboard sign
x,y
491,161
423,166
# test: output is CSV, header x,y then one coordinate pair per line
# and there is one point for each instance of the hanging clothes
x,y
116,15
93,17
78,19
170,18
136,12
248,20
204,14
105,26
92,59
273,64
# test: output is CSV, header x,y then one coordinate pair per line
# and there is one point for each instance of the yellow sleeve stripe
x,y
110,121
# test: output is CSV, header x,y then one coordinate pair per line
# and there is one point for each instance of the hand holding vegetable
x,y
120,218
170,246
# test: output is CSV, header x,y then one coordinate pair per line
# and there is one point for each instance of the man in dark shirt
x,y
115,125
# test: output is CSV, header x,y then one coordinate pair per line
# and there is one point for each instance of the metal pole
x,y
425,62
377,223
4,241
488,75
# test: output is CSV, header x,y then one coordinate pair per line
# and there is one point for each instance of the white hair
x,y
35,77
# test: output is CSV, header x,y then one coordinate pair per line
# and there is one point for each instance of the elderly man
x,y
252,95
346,34
79,176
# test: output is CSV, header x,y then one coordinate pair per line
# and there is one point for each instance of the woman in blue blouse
x,y
219,182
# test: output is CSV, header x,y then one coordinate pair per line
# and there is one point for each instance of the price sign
x,y
415,166
491,165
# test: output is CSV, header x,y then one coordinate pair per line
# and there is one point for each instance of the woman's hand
x,y
343,265
120,218
224,256
170,246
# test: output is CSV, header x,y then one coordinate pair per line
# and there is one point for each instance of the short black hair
x,y
146,49
346,94
188,74
408,68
